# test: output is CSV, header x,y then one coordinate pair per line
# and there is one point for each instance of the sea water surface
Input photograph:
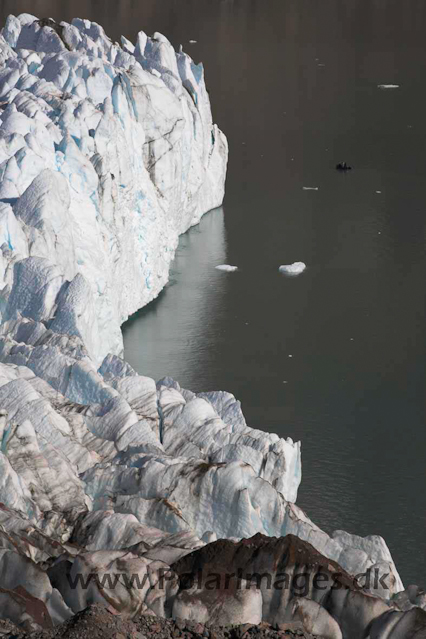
x,y
335,357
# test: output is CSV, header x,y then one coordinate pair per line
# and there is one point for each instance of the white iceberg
x,y
292,269
226,267
388,86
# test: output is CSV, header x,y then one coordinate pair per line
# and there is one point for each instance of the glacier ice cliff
x,y
107,153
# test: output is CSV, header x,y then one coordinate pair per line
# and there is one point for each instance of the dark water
x,y
354,322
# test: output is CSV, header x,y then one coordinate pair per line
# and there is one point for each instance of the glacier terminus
x,y
108,153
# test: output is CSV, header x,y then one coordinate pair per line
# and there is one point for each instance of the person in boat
x,y
342,166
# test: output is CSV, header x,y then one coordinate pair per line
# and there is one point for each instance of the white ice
x,y
292,269
226,267
107,155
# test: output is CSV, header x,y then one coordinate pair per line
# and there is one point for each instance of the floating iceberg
x,y
227,267
310,188
292,269
388,86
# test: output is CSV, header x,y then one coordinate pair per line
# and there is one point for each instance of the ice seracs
x,y
174,460
107,153
286,574
292,269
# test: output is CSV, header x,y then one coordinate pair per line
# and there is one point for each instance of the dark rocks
x,y
8,628
57,28
264,588
97,622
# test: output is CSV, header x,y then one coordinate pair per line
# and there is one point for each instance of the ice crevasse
x,y
108,152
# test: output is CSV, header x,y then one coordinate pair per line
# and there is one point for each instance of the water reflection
x,y
174,335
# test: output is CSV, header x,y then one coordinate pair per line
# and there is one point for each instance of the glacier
x,y
108,152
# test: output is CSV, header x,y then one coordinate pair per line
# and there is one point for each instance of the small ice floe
x,y
378,191
193,42
292,269
227,267
310,188
388,86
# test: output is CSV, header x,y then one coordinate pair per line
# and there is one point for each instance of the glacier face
x,y
173,460
107,153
